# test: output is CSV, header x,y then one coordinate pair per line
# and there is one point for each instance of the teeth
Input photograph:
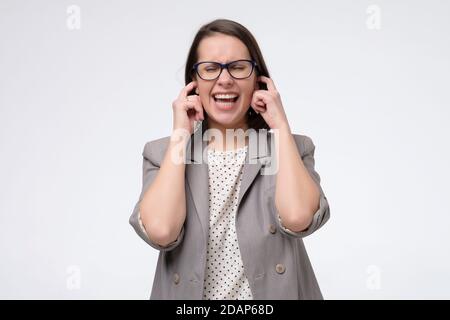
x,y
225,96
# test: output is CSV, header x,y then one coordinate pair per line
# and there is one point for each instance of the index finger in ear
x,y
269,82
184,93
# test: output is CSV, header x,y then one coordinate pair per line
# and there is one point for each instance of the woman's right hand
x,y
187,109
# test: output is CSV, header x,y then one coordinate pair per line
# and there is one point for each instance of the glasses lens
x,y
208,70
240,69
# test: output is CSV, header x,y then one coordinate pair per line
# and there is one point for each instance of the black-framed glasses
x,y
210,70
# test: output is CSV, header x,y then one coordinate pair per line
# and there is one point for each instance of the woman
x,y
224,229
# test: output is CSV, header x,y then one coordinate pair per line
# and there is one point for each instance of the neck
x,y
230,138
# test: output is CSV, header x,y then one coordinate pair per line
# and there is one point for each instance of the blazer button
x,y
272,229
280,268
176,278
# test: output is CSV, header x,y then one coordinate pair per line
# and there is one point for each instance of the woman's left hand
x,y
268,103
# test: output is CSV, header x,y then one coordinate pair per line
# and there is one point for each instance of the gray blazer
x,y
274,258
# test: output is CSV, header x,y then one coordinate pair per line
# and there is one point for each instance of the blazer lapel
x,y
257,156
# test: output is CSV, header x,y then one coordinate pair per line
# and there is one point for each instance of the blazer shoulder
x,y
155,150
304,143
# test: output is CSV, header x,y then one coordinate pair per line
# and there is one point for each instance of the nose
x,y
225,78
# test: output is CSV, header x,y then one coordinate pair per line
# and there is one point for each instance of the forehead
x,y
222,48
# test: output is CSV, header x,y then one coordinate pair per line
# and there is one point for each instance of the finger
x,y
260,104
257,106
188,88
195,103
261,95
193,97
195,115
254,109
258,109
258,101
198,105
269,82
190,105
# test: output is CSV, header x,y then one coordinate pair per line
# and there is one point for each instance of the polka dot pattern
x,y
224,275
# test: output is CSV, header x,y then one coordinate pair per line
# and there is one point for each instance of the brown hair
x,y
231,28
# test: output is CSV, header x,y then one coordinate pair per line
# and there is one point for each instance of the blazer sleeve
x,y
149,171
322,215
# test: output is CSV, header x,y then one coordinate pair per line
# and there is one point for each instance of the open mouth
x,y
226,100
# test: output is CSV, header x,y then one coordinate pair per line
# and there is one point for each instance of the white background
x,y
78,105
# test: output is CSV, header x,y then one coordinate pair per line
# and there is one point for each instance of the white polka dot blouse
x,y
224,275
